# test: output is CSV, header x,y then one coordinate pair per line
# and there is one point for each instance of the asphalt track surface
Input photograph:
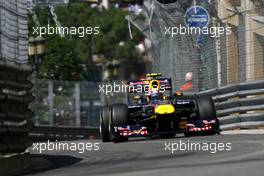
x,y
149,158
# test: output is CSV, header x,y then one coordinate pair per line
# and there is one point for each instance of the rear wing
x,y
144,85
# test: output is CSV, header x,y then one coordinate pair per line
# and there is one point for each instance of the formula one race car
x,y
154,110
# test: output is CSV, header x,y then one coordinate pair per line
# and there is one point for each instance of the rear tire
x,y
105,116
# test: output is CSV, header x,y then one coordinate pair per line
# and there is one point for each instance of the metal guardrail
x,y
239,105
15,88
15,116
39,133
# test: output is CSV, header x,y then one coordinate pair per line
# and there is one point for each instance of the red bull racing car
x,y
153,109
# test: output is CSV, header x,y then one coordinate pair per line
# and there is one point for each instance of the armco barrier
x,y
15,117
15,89
239,105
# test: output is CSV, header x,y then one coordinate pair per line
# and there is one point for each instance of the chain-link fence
x,y
13,31
231,57
65,103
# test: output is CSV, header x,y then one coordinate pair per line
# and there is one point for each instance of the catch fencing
x,y
66,103
229,58
229,67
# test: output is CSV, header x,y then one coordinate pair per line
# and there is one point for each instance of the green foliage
x,y
60,62
65,55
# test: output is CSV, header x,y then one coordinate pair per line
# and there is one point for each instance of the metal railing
x,y
44,133
15,117
239,105
15,88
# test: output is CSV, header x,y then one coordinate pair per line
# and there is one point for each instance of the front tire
x,y
207,111
105,116
119,118
206,108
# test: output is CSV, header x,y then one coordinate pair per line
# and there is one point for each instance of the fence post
x,y
51,97
77,104
218,55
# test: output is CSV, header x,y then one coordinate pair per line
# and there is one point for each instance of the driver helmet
x,y
154,95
